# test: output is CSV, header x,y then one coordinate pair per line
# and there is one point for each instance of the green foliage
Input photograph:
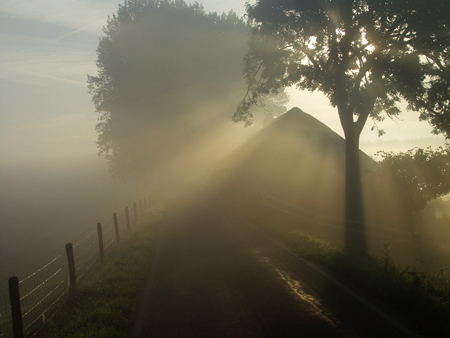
x,y
160,65
364,55
420,175
424,298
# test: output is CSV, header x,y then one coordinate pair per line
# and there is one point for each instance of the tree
x,y
168,74
364,55
420,175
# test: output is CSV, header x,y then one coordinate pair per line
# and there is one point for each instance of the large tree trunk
x,y
355,236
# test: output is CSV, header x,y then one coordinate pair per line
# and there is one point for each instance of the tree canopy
x,y
366,56
167,72
420,175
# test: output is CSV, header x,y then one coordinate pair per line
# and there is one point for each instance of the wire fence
x,y
45,285
42,292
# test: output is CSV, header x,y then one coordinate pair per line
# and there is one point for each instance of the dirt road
x,y
216,275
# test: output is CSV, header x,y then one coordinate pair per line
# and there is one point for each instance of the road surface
x,y
215,274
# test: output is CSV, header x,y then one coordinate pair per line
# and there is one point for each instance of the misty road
x,y
216,275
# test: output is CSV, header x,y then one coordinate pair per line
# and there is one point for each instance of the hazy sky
x,y
47,48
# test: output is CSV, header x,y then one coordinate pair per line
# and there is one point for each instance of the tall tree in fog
x,y
364,55
167,72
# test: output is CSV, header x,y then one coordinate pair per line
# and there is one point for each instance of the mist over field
x,y
43,206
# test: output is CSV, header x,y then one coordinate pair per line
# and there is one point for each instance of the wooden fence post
x,y
140,206
127,217
116,227
135,212
71,261
16,311
100,242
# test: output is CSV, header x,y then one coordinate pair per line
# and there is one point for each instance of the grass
x,y
423,298
103,304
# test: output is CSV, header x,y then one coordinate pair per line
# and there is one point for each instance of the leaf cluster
x,y
364,55
420,175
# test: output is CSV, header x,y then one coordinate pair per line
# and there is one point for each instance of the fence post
x,y
100,242
71,261
116,227
135,212
140,206
127,217
16,311
145,203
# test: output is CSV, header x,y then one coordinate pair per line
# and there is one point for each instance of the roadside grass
x,y
423,298
102,306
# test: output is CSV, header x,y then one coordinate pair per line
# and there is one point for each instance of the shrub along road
x,y
216,275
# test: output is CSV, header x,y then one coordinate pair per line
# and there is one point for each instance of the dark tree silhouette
x,y
364,55
167,73
420,175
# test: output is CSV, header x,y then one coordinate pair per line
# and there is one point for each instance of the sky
x,y
47,49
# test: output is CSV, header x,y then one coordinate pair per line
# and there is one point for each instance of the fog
x,y
45,205
165,89
168,75
296,166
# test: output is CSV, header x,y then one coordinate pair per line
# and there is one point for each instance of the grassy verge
x,y
423,298
103,305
